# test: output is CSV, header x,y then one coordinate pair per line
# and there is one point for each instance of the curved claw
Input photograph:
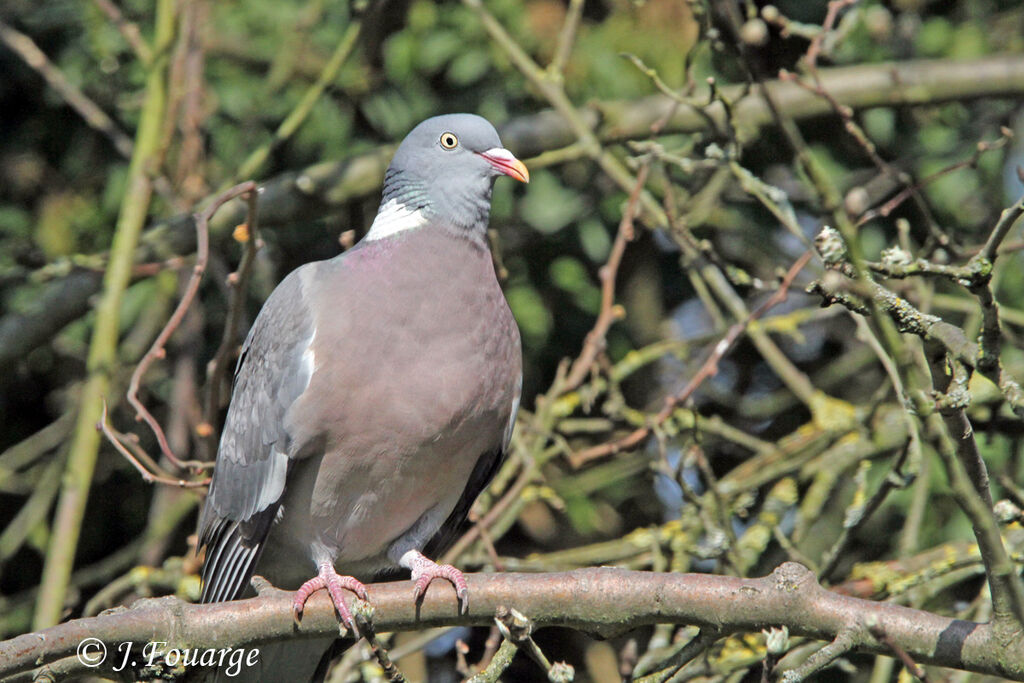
x,y
424,571
335,584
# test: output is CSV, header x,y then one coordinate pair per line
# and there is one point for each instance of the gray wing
x,y
255,447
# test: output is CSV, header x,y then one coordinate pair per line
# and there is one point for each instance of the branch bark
x,y
603,601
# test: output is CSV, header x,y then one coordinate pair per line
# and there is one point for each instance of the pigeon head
x,y
442,175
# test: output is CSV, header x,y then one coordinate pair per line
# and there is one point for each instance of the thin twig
x,y
526,476
814,49
826,655
845,114
704,639
24,47
914,190
129,31
566,38
491,646
1007,219
912,667
595,340
893,480
151,472
501,660
238,282
33,511
254,162
363,613
157,350
708,369
628,657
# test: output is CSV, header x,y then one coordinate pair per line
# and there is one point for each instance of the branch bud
x,y
830,245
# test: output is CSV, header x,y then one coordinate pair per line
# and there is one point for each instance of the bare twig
x,y
699,644
595,340
844,642
814,49
363,612
25,48
151,472
496,666
628,657
914,190
893,480
1007,219
254,162
908,662
129,31
238,282
527,475
28,451
566,37
845,114
491,645
33,511
708,369
157,350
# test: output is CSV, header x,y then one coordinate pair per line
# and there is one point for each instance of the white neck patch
x,y
394,217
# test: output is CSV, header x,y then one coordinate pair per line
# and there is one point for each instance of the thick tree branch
x,y
604,601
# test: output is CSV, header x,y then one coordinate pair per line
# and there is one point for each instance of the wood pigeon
x,y
376,392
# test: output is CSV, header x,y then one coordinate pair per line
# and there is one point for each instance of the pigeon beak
x,y
502,159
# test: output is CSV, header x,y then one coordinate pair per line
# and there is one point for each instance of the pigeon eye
x,y
449,140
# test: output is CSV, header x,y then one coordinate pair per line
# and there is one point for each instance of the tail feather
x,y
229,562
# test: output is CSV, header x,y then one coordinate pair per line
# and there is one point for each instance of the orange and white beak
x,y
502,159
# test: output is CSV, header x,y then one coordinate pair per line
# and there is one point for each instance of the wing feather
x,y
256,447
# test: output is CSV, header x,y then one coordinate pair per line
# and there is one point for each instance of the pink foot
x,y
334,583
425,570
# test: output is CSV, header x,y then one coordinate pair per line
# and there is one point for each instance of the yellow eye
x,y
449,140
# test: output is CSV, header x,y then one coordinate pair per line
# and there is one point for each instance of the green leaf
x,y
548,206
530,312
468,67
935,37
